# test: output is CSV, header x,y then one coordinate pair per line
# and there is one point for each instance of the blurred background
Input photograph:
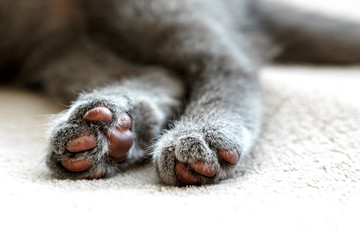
x,y
342,8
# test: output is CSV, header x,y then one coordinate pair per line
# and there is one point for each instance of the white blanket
x,y
301,181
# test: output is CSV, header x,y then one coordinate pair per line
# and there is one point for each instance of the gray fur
x,y
148,57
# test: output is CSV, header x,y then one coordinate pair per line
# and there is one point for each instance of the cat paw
x,y
92,140
196,157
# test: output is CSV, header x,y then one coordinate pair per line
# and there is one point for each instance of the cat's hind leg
x,y
218,129
222,118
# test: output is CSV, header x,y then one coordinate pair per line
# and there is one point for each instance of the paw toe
x,y
203,168
230,156
185,175
120,144
75,165
121,139
98,114
81,143
125,122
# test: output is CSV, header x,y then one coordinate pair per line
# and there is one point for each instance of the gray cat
x,y
187,66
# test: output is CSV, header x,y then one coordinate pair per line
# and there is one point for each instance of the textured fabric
x,y
302,179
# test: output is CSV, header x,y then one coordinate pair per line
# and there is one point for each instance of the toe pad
x,y
75,165
98,114
230,156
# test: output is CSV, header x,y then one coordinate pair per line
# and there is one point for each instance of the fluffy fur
x,y
194,62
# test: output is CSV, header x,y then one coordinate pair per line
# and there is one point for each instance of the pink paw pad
x,y
203,168
76,165
121,139
230,156
81,143
185,175
98,114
